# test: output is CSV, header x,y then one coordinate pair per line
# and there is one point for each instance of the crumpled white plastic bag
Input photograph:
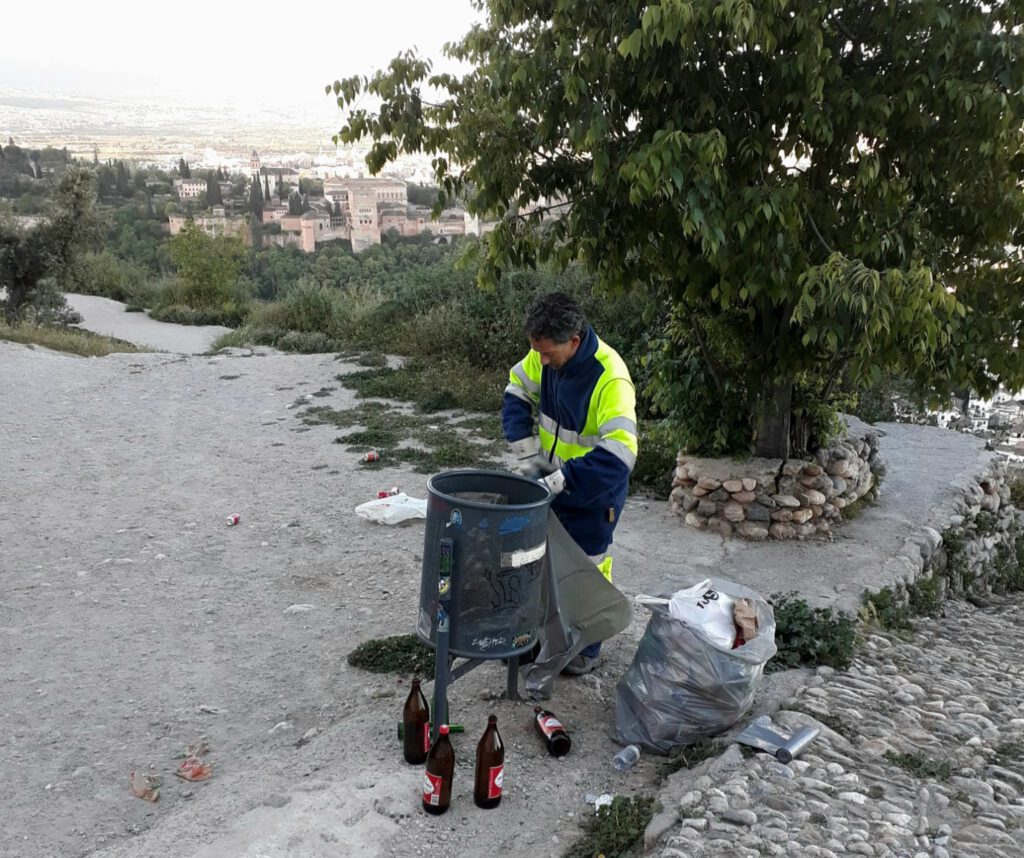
x,y
393,509
702,607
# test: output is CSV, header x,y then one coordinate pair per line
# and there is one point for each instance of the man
x,y
587,438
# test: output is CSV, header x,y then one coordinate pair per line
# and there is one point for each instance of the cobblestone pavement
x,y
921,754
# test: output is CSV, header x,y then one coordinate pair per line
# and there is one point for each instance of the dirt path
x,y
104,316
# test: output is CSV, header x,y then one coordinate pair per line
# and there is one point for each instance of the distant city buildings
x,y
353,208
190,189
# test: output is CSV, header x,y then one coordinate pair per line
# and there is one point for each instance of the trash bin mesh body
x,y
498,524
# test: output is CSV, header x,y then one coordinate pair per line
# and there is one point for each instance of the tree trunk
x,y
773,421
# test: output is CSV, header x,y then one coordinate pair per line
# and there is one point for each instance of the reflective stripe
x,y
620,451
515,559
567,436
519,371
518,392
618,423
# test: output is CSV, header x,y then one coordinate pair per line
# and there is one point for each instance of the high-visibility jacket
x,y
587,429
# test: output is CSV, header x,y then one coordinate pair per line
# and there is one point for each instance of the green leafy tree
x,y
294,203
266,188
816,191
208,267
36,260
183,169
311,187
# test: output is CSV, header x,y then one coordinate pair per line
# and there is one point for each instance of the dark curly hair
x,y
556,317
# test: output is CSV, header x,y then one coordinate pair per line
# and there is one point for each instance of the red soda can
x,y
389,493
233,519
372,456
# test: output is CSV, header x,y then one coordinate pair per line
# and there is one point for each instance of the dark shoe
x,y
582,665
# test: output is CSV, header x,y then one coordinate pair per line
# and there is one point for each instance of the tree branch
x,y
706,353
817,232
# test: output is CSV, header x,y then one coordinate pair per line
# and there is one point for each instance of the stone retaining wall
x,y
975,553
782,499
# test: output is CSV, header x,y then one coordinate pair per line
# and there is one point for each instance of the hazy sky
x,y
218,50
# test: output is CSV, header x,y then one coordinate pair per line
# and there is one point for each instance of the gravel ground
x,y
130,609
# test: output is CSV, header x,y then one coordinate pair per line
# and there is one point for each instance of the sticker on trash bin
x,y
523,557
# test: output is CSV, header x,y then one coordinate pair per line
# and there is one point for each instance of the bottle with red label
x,y
490,767
437,780
552,732
415,726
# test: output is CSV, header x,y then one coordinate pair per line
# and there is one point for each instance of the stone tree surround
x,y
777,498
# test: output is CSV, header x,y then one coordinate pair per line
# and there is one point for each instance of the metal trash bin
x,y
497,524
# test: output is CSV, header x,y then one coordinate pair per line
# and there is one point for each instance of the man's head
x,y
555,325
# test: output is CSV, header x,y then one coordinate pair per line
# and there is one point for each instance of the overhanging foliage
x,y
834,188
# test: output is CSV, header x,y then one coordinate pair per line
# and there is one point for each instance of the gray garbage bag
x,y
682,687
580,608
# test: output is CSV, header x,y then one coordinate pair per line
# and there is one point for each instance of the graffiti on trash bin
x,y
488,643
507,585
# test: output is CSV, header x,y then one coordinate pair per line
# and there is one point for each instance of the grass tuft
x,y
920,766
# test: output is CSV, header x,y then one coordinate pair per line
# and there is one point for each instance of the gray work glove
x,y
555,481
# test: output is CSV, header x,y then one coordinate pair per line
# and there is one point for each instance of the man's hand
x,y
530,464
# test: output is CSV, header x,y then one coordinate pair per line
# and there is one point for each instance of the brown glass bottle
x,y
552,732
415,726
437,780
490,767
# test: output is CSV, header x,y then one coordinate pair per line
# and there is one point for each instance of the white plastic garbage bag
x,y
704,607
393,509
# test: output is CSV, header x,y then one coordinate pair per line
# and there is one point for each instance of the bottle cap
x,y
444,729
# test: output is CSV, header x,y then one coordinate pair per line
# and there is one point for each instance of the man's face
x,y
552,354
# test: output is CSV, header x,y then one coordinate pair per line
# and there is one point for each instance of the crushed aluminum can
x,y
759,734
372,456
389,493
233,519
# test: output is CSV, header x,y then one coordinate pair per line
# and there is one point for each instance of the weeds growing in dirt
x,y
428,444
74,340
437,385
688,756
404,655
616,830
809,637
920,766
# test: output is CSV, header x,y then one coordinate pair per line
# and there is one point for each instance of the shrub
x,y
656,463
105,275
1017,492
